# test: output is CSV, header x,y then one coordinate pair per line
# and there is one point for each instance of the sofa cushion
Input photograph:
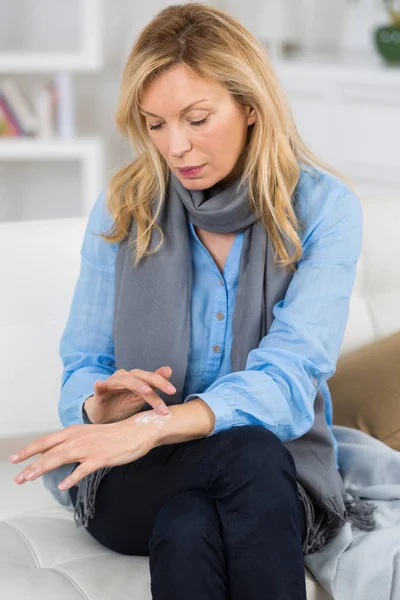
x,y
365,390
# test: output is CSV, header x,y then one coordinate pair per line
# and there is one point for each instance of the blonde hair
x,y
213,45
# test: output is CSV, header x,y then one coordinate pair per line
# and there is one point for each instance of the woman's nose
x,y
178,144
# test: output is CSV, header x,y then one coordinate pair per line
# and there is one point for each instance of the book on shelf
x,y
9,126
47,112
18,113
64,114
44,100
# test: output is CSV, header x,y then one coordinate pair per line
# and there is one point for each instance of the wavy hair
x,y
213,45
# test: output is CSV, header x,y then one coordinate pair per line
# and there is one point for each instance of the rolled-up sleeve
x,y
277,389
86,346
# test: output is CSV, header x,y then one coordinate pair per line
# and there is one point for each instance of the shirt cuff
x,y
84,419
223,412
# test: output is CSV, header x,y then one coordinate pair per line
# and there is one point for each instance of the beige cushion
x,y
365,390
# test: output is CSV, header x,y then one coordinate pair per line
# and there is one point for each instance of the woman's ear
x,y
251,115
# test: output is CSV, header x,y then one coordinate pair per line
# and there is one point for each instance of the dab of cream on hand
x,y
153,418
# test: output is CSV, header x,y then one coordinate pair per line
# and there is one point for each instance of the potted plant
x,y
387,37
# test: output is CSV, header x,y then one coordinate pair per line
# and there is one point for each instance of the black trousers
x,y
220,517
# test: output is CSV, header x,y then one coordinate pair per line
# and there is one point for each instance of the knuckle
x,y
41,443
156,380
75,476
72,428
99,463
67,455
69,433
29,468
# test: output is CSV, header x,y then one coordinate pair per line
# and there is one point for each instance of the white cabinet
x,y
349,115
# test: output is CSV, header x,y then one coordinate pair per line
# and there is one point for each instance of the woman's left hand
x,y
94,446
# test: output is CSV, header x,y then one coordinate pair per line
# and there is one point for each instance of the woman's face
x,y
216,142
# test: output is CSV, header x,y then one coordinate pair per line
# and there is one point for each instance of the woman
x,y
229,476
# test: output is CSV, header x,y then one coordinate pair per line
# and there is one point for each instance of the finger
x,y
164,371
122,379
152,398
56,457
101,385
138,383
128,381
78,474
158,404
155,380
40,445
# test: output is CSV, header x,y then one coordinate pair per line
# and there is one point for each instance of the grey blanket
x,y
360,565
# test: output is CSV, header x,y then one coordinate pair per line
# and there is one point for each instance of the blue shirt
x,y
277,388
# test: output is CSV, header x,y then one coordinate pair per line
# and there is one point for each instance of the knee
x,y
185,521
254,446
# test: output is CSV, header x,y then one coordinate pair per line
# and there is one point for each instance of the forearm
x,y
190,420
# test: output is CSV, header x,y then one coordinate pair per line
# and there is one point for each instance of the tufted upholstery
x,y
42,553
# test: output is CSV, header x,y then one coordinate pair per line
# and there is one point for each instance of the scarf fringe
x,y
360,512
322,525
86,496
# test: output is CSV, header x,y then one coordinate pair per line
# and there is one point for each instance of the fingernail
x,y
171,388
14,456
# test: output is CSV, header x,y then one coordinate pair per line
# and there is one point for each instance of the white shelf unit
x,y
89,152
88,59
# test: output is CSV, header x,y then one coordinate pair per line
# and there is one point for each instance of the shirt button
x,y
221,281
220,316
315,382
217,348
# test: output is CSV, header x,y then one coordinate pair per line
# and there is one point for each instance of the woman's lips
x,y
191,172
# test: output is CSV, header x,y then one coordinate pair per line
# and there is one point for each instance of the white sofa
x,y
42,553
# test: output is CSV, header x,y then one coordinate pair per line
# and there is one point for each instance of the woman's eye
x,y
196,123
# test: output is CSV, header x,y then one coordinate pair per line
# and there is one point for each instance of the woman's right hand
x,y
120,396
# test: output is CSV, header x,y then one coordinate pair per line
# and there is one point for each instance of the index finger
x,y
39,446
155,380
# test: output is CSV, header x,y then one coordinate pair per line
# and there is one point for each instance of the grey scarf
x,y
152,328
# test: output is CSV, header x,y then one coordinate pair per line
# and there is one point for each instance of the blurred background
x,y
61,64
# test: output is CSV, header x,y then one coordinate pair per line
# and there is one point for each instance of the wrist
x,y
189,421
